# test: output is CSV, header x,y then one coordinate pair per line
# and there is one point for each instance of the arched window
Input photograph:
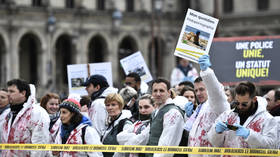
x,y
3,71
97,49
29,52
129,5
185,4
262,5
3,2
63,57
100,4
228,6
70,3
37,3
127,47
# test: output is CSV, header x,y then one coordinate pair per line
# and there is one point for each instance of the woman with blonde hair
x,y
117,121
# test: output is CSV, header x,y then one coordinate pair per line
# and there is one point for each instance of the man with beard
x,y
249,125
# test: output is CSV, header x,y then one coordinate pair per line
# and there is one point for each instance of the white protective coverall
x,y
97,111
130,137
75,137
278,136
54,130
173,120
215,105
126,125
178,76
31,125
263,130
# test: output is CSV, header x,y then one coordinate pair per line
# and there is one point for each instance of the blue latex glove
x,y
204,62
221,127
189,109
242,131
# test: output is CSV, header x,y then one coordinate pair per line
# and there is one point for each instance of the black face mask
x,y
143,117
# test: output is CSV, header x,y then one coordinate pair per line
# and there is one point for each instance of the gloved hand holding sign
x,y
204,62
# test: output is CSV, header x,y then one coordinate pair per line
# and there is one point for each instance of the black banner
x,y
254,59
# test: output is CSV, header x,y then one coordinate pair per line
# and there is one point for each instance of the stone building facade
x,y
39,38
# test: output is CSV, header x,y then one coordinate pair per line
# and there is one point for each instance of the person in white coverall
x,y
166,119
184,71
75,129
50,102
26,122
209,109
253,126
117,121
132,135
98,88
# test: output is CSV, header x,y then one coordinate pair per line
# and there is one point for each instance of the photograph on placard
x,y
195,37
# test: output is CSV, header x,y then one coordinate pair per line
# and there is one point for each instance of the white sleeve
x,y
172,120
267,138
216,94
140,139
92,138
217,140
99,116
125,135
40,129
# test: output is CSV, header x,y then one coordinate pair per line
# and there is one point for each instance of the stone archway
x,y
97,49
3,68
127,47
63,56
29,54
156,54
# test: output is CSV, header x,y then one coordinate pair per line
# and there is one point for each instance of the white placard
x,y
196,35
78,73
136,63
104,69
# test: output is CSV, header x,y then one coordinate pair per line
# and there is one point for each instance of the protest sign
x,y
136,63
78,73
196,35
247,58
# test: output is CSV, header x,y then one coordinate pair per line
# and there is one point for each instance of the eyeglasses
x,y
244,104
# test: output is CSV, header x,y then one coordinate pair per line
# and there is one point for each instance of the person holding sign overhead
x,y
213,102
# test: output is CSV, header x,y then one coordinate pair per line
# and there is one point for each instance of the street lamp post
x,y
116,20
156,10
51,26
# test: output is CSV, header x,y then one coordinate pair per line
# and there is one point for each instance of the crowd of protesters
x,y
196,111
